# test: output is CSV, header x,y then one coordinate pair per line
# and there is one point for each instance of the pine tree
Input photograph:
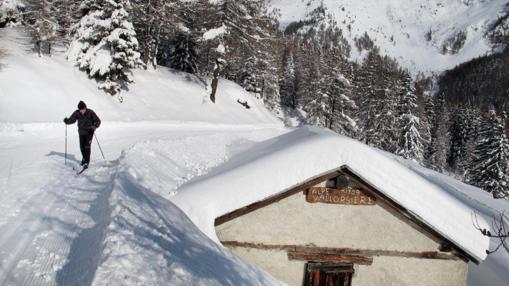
x,y
42,23
410,144
288,81
66,14
341,107
156,23
463,128
378,87
440,137
490,164
105,45
473,118
183,56
234,31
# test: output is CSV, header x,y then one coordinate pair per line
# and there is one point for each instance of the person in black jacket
x,y
88,122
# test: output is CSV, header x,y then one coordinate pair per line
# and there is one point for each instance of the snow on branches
x,y
104,44
490,164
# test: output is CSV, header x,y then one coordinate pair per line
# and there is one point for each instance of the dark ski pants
x,y
86,146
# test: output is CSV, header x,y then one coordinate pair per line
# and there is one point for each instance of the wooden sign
x,y
343,196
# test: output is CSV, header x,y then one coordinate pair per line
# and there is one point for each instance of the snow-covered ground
x,y
412,31
106,227
116,224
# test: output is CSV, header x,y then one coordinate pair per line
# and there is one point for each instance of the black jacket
x,y
87,123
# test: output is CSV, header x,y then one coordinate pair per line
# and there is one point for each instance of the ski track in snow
x,y
61,229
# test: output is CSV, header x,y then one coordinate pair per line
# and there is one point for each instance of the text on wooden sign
x,y
343,196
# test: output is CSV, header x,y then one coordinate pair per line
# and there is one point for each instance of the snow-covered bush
x,y
104,44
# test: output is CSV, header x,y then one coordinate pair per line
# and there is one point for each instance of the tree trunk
x,y
38,44
215,81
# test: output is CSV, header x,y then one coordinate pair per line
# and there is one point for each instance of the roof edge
x,y
416,220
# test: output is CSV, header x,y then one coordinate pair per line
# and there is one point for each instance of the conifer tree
x,y
440,137
410,144
183,55
288,81
490,164
104,44
234,29
473,121
378,86
42,23
463,128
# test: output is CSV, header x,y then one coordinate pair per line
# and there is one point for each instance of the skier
x,y
88,122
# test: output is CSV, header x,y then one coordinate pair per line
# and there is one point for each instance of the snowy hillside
x,y
422,35
47,89
105,227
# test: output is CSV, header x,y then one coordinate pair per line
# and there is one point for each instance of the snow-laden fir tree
x,y
183,53
340,108
66,14
337,106
156,23
462,130
471,127
288,81
377,82
440,136
104,44
490,164
410,144
234,31
10,12
40,18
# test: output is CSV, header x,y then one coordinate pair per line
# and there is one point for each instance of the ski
x,y
79,172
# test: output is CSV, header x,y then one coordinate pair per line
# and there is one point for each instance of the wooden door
x,y
320,274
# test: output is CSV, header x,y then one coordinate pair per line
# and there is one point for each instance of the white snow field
x,y
105,227
138,217
401,28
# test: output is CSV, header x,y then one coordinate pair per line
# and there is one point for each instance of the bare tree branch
x,y
500,231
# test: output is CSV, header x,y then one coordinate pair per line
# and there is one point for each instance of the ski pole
x,y
97,140
65,160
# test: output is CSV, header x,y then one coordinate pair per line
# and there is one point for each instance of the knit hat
x,y
82,105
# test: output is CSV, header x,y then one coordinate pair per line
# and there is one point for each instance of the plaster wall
x,y
295,221
395,271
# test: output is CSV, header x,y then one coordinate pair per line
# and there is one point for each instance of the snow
x,y
105,227
305,153
41,83
144,216
399,28
214,33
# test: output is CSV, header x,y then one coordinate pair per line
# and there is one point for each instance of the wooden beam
x,y
257,205
415,221
325,257
343,251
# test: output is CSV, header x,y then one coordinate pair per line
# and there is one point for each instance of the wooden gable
x,y
354,192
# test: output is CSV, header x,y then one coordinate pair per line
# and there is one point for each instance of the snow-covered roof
x,y
274,166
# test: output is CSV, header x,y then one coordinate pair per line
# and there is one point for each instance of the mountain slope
x,y
48,89
428,36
